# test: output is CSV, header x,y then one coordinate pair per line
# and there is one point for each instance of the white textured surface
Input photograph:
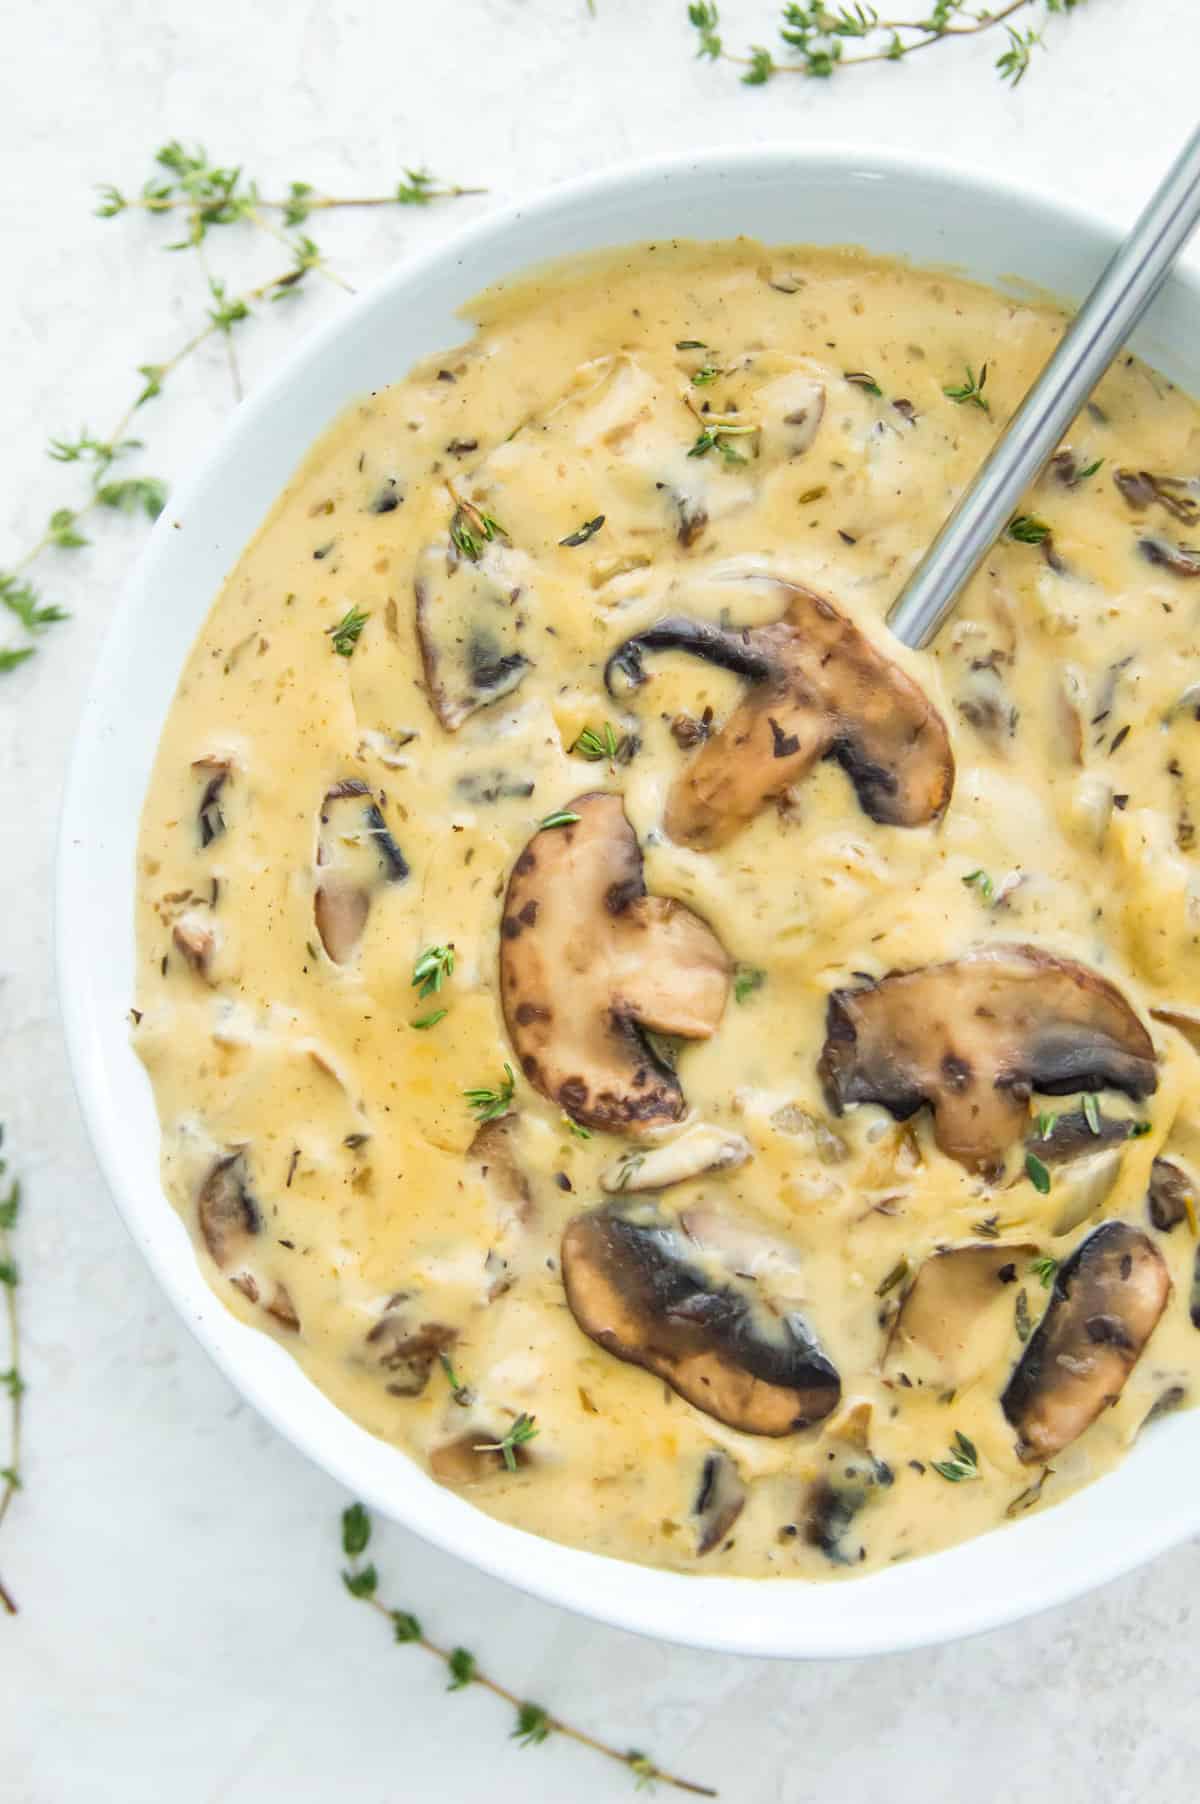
x,y
184,1633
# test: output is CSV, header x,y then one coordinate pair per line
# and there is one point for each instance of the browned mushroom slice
x,y
227,1212
195,937
651,1295
355,855
1180,560
469,626
229,1219
975,1037
406,1349
1177,494
471,1457
210,821
957,1316
589,961
819,689
494,1152
720,1500
1170,1195
1106,1302
833,1504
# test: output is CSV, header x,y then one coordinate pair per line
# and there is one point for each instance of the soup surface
x,y
709,1082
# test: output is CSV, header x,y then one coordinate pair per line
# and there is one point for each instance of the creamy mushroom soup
x,y
712,1085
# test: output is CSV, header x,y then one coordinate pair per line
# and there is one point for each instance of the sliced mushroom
x,y
229,1219
471,1457
1170,1192
469,626
494,1152
957,1315
406,1349
698,1149
820,689
1177,494
834,1504
1107,1300
975,1037
720,1500
210,821
195,937
649,1293
1180,560
356,854
589,962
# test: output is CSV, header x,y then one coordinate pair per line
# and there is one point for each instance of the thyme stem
x,y
361,1584
12,1381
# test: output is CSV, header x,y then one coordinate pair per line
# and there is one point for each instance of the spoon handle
x,y
1097,333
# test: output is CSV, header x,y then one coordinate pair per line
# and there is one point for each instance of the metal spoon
x,y
1099,329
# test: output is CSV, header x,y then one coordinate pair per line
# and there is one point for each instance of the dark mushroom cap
x,y
820,689
588,960
643,1290
975,1037
1106,1302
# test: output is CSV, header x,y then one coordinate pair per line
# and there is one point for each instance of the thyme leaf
x,y
346,633
489,1104
963,1463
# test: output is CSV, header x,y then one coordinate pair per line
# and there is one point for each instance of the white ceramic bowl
x,y
892,205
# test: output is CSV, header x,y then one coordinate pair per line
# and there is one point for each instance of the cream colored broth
x,y
1059,681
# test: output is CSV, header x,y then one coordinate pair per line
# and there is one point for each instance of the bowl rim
x,y
651,1601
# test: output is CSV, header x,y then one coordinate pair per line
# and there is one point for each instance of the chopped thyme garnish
x,y
1027,529
970,391
1091,1111
988,1227
690,344
346,633
431,970
471,529
1090,471
897,1275
458,1390
1044,1268
439,1014
963,1462
1047,1121
489,1105
522,1430
746,980
979,880
714,435
583,533
1139,1129
595,745
1024,1321
577,1128
564,818
1037,1173
861,379
708,372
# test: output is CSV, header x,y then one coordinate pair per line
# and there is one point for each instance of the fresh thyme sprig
x,y
345,633
201,195
534,1724
11,1380
816,36
523,1429
433,966
969,392
963,1463
489,1105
